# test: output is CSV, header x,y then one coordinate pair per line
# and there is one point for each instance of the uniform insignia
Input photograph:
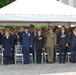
x,y
52,35
23,35
28,34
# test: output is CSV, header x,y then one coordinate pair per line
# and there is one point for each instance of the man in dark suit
x,y
34,34
73,45
63,42
14,38
26,44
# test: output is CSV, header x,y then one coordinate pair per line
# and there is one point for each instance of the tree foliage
x,y
5,2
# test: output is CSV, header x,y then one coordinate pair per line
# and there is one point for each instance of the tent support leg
x,y
69,24
48,23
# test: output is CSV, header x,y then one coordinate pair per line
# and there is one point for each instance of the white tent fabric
x,y
38,7
37,10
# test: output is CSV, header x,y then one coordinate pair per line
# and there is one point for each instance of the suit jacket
x,y
1,36
72,38
26,40
39,42
15,39
20,34
64,40
33,34
7,45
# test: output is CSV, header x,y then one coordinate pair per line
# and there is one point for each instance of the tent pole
x,y
48,24
69,24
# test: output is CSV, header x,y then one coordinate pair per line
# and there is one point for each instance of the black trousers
x,y
6,60
33,53
38,55
12,55
62,53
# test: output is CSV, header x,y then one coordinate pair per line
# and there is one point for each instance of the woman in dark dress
x,y
39,43
7,47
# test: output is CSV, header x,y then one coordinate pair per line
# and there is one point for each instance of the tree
x,y
5,2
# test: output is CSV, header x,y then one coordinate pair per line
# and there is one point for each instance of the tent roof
x,y
51,7
37,10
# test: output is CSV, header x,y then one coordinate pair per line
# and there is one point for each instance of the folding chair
x,y
18,54
56,52
44,56
31,57
35,55
69,53
1,55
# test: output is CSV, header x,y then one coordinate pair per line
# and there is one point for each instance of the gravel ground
x,y
37,69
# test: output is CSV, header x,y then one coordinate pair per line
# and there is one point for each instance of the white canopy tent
x,y
37,11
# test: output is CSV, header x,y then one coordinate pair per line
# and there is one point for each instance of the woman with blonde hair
x,y
7,47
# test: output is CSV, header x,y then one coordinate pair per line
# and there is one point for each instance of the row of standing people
x,y
9,39
39,39
50,39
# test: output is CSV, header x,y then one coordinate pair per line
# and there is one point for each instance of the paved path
x,y
38,69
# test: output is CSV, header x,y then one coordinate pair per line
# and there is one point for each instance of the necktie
x,y
26,33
